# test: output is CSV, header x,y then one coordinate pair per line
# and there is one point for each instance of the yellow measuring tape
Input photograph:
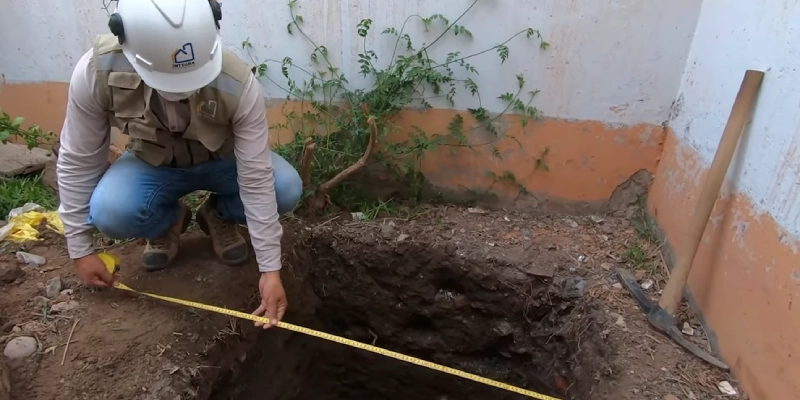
x,y
112,263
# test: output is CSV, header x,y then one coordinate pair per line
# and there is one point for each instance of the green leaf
x,y
17,122
502,51
363,27
4,135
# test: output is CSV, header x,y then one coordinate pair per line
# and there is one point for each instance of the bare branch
x,y
308,157
362,162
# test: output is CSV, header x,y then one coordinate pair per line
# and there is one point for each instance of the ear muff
x,y
116,27
216,9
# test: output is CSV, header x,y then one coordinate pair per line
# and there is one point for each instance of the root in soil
x,y
485,318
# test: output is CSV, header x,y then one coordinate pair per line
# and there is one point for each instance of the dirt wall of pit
x,y
422,298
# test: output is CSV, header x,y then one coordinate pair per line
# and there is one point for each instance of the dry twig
x,y
69,340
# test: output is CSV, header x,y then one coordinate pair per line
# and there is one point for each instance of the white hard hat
x,y
174,45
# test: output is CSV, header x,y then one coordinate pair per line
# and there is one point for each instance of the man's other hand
x,y
93,272
273,299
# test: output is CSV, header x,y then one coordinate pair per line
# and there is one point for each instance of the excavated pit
x,y
486,317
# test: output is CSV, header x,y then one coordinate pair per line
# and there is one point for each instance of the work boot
x,y
228,244
159,253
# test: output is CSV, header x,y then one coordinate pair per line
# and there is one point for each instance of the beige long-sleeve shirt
x,y
82,160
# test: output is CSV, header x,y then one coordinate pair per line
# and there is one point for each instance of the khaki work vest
x,y
208,136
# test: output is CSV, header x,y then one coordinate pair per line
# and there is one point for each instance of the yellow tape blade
x,y
346,342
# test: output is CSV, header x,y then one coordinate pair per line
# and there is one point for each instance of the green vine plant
x,y
33,136
509,178
339,130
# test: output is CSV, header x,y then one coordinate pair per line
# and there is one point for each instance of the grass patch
x,y
642,253
16,191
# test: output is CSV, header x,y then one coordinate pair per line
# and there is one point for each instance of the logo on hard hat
x,y
183,57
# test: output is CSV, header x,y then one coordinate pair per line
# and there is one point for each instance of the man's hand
x,y
273,298
93,272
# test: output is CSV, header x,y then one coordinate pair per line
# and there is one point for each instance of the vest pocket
x,y
127,94
137,129
150,153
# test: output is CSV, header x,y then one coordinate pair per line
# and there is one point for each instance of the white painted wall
x,y
730,38
617,61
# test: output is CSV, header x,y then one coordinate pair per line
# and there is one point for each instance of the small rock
x,y
647,284
581,258
476,210
358,216
687,329
16,329
504,328
61,298
67,292
671,397
402,237
40,301
607,266
20,347
620,320
387,230
53,287
596,219
617,286
30,259
10,272
726,388
570,222
64,307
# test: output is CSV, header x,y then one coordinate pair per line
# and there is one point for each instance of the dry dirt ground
x,y
525,298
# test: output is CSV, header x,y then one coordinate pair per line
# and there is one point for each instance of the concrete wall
x,y
747,273
607,81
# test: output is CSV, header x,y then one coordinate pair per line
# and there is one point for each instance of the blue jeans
x,y
137,200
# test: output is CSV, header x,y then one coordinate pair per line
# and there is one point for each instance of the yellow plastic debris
x,y
23,226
